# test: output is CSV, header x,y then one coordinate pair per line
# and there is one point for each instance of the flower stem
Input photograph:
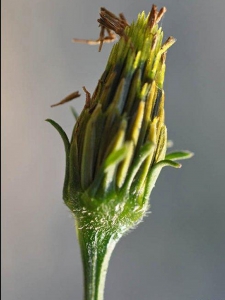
x,y
96,250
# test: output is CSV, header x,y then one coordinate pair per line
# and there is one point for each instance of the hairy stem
x,y
96,249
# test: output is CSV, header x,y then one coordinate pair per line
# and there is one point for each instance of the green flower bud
x,y
119,142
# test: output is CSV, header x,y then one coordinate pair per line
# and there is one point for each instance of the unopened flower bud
x,y
119,141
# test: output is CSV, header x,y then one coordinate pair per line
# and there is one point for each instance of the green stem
x,y
96,250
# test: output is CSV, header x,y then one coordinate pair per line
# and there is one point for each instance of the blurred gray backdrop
x,y
178,252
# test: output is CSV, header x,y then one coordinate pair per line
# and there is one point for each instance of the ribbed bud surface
x,y
121,133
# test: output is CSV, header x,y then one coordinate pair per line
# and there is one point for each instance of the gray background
x,y
177,253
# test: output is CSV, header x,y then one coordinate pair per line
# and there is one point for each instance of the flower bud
x,y
119,142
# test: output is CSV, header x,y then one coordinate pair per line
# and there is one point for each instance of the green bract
x,y
118,145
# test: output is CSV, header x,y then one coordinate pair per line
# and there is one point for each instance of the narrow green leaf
x,y
115,157
179,155
74,112
167,163
67,150
62,134
151,180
